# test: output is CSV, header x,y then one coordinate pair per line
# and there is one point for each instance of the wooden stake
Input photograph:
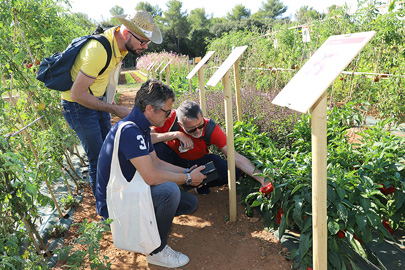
x,y
190,84
203,103
237,90
226,81
319,183
167,70
35,109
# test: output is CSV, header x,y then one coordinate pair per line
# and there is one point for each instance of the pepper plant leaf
x,y
333,227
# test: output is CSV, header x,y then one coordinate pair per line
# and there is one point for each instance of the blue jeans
x,y
169,201
164,152
91,127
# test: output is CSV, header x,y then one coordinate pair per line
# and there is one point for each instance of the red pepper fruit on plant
x,y
309,268
267,189
279,215
386,191
386,224
341,234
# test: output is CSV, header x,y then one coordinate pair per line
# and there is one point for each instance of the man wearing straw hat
x,y
84,106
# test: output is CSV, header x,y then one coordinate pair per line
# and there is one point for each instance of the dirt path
x,y
206,236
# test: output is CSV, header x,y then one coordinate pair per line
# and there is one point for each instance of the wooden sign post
x,y
158,70
237,90
200,69
307,92
223,73
167,70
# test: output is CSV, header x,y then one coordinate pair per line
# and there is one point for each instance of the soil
x,y
206,236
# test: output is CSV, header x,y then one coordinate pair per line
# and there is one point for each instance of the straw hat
x,y
142,23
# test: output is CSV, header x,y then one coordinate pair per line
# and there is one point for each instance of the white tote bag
x,y
130,205
111,88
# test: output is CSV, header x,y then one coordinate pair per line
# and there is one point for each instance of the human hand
x,y
189,170
121,111
196,176
186,141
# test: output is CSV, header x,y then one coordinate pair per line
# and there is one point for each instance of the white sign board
x,y
305,34
163,69
161,63
200,64
226,65
307,86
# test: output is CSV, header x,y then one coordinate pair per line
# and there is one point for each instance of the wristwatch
x,y
188,181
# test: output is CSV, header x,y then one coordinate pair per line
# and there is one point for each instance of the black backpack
x,y
209,128
54,71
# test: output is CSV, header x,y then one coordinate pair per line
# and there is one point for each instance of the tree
x,y
307,14
238,12
154,10
84,21
218,29
175,23
198,19
116,10
270,10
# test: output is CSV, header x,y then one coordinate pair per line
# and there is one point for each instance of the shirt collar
x,y
138,118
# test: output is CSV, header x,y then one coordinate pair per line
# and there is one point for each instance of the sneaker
x,y
202,191
168,258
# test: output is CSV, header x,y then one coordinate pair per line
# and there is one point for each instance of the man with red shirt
x,y
187,135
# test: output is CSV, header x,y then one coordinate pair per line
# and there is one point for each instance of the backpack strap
x,y
209,128
176,125
106,44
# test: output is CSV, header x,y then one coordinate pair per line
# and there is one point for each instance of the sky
x,y
99,9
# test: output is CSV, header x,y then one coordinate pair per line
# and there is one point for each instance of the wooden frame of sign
x,y
158,70
223,73
167,70
307,92
151,73
200,69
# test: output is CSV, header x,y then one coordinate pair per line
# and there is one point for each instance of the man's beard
x,y
134,52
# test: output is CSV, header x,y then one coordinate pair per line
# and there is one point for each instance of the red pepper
x,y
309,268
267,189
341,234
279,215
28,65
386,224
386,191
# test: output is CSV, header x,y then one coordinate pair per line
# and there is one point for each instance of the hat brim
x,y
156,35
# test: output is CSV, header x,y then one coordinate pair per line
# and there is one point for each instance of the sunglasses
x,y
142,42
195,128
167,112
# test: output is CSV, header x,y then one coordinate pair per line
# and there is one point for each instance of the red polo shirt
x,y
200,148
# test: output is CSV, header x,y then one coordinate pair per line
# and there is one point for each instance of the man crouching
x,y
153,104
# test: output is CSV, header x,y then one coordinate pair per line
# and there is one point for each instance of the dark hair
x,y
155,93
188,110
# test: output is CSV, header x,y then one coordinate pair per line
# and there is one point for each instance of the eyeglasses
x,y
195,128
142,42
167,112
